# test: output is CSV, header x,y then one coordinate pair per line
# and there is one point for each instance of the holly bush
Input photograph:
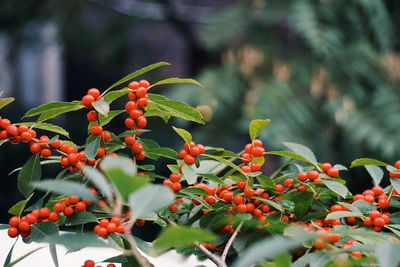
x,y
215,204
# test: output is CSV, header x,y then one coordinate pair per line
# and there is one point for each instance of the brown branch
x,y
230,242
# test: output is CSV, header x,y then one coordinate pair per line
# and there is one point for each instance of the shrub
x,y
216,203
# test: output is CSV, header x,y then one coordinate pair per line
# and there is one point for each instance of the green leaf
x,y
186,136
104,120
98,179
142,205
226,162
302,151
53,252
342,214
176,109
101,107
79,218
388,254
176,80
363,206
178,235
42,231
76,241
133,132
367,161
118,162
111,96
22,257
194,190
266,182
9,254
30,172
269,248
137,73
316,259
5,101
163,152
46,108
375,172
66,188
336,187
147,167
92,148
189,174
18,207
303,201
390,168
45,126
270,202
256,127
289,155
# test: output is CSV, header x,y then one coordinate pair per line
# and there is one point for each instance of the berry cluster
x,y
14,133
107,226
138,100
92,95
174,182
375,195
329,170
377,220
190,152
90,263
251,151
395,174
67,206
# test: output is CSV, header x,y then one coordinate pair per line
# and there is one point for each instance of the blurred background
x,y
326,72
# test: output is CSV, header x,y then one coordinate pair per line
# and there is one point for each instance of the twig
x,y
230,242
142,260
210,256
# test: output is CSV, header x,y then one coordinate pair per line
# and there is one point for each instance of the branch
x,y
210,256
141,260
230,242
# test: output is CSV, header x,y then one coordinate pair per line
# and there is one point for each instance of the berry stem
x,y
230,242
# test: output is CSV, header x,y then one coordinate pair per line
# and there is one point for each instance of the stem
x,y
142,260
230,242
210,256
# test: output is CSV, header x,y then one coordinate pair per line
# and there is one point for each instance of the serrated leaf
x,y
80,217
375,172
189,174
174,236
176,80
186,136
65,188
137,73
5,101
302,151
30,172
101,107
367,161
92,148
42,231
342,214
45,126
143,206
256,126
336,187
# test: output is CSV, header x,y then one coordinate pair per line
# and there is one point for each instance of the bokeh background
x,y
326,72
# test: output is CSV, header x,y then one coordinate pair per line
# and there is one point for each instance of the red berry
x,y
25,227
188,159
383,204
73,199
255,166
333,172
257,142
94,92
111,227
26,137
129,123
92,116
241,184
239,199
380,222
377,190
245,168
257,151
313,175
201,148
80,206
14,221
141,92
133,85
302,176
210,199
102,231
326,166
88,263
242,208
58,207
30,218
174,177
4,123
397,164
249,192
12,130
137,148
54,217
246,158
45,152
87,101
44,212
173,208
143,102
176,187
131,105
96,130
141,122
336,207
135,114
288,182
144,83
68,211
279,188
106,135
13,232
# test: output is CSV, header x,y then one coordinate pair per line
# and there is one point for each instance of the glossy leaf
x,y
174,236
18,207
80,217
52,106
186,136
367,161
395,182
388,254
342,214
256,126
189,174
289,155
163,152
30,173
133,132
143,206
97,178
113,95
45,126
41,232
